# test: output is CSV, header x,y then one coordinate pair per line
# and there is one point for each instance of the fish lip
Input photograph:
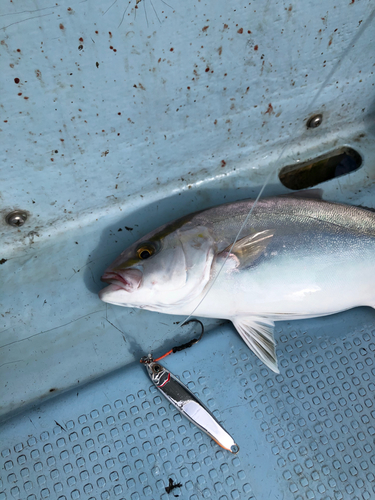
x,y
129,281
114,278
119,281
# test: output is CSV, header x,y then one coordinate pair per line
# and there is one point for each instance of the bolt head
x,y
16,218
314,121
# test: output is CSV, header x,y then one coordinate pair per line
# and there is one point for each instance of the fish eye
x,y
145,251
157,368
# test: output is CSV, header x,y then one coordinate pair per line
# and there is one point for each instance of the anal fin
x,y
257,333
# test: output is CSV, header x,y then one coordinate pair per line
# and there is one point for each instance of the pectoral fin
x,y
257,333
249,248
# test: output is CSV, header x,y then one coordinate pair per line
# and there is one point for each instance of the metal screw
x,y
314,121
16,218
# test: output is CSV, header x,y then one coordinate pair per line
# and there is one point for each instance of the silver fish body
x,y
295,258
189,405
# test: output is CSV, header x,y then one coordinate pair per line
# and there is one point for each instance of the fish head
x,y
163,271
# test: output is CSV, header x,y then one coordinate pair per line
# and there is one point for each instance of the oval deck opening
x,y
308,174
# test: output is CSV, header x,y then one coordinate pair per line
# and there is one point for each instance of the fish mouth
x,y
111,278
128,280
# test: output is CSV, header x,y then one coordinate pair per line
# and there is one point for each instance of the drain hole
x,y
324,168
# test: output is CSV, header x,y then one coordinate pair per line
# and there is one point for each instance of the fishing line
x,y
308,111
181,347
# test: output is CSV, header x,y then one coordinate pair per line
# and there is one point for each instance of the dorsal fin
x,y
315,194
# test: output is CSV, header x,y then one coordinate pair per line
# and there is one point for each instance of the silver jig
x,y
188,404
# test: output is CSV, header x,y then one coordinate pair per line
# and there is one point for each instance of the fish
x,y
188,404
297,257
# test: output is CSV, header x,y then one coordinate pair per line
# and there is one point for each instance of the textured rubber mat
x,y
307,433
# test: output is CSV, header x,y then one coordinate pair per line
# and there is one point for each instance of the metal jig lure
x,y
185,401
